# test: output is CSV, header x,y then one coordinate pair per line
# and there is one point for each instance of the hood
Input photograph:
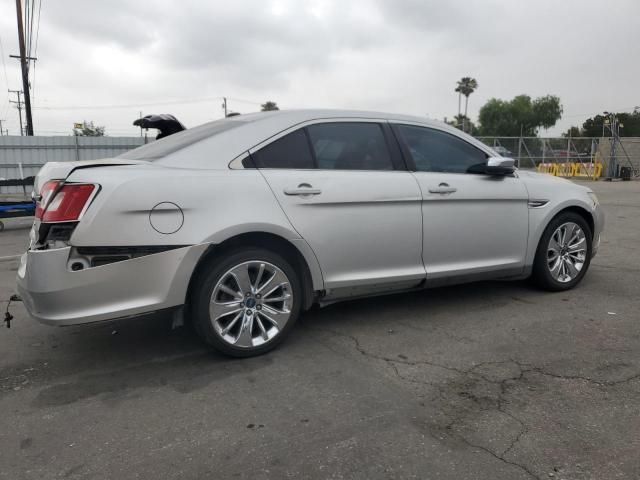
x,y
526,174
543,185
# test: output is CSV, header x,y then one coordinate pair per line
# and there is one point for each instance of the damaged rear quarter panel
x,y
216,205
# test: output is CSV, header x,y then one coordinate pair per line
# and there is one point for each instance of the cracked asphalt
x,y
481,381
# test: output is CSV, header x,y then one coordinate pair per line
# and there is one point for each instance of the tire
x,y
560,262
265,315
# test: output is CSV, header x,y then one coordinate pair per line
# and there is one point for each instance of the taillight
x,y
46,191
67,203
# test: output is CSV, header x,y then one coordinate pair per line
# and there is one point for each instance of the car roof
x,y
232,136
302,115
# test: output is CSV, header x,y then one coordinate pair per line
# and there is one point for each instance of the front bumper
x,y
55,295
598,227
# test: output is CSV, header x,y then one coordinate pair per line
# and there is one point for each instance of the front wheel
x,y
247,302
564,253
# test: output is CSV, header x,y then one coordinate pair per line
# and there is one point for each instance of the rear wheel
x,y
564,253
247,302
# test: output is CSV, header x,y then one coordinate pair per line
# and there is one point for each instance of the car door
x,y
344,189
475,225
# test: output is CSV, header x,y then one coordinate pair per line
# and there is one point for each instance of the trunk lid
x,y
61,170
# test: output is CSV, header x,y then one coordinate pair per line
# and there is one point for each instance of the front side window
x,y
350,146
290,151
436,151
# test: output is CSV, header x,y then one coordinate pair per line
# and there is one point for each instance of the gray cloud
x,y
256,47
426,15
119,22
374,54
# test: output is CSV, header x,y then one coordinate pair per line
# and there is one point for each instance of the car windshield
x,y
160,148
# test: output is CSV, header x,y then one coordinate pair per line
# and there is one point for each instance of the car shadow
x,y
150,338
385,308
114,360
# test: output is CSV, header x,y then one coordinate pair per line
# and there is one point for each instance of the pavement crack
x,y
590,380
524,429
386,359
471,388
528,368
522,467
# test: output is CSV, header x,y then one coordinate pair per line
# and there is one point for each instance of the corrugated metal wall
x,y
33,152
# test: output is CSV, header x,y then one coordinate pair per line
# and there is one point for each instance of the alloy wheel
x,y
251,304
566,252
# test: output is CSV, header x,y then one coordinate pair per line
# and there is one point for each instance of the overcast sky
x,y
390,55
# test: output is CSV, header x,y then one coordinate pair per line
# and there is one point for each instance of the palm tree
x,y
459,97
466,86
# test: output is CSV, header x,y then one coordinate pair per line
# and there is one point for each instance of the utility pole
x,y
612,123
520,147
224,106
613,160
19,107
1,131
25,70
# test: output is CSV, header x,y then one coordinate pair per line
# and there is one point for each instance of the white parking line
x,y
9,257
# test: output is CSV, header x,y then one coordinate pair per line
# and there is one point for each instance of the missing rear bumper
x,y
55,294
88,257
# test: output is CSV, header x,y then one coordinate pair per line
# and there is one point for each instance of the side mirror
x,y
500,166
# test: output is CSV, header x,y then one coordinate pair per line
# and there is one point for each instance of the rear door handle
x,y
443,188
302,189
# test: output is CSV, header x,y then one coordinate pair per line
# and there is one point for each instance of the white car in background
x,y
243,223
502,151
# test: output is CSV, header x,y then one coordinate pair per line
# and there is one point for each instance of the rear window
x,y
160,148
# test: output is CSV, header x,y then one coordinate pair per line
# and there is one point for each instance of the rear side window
x,y
436,151
163,147
350,146
290,151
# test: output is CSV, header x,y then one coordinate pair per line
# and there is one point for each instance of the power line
x,y
596,113
6,77
33,12
143,104
19,104
35,51
26,22
132,105
240,100
129,105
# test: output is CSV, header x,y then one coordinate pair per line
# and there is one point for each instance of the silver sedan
x,y
241,224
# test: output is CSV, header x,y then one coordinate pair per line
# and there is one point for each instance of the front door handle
x,y
443,188
302,190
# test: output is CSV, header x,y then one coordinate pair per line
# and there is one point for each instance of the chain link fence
x,y
606,157
21,157
590,157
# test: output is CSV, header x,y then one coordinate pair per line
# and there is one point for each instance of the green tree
x,y
592,127
269,106
630,125
459,120
509,118
88,129
573,132
466,86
